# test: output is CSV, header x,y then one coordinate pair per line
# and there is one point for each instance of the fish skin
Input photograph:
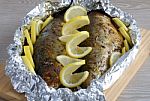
x,y
46,48
104,39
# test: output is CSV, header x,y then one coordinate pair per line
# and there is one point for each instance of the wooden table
x,y
12,11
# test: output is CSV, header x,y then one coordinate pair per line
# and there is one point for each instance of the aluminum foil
x,y
36,89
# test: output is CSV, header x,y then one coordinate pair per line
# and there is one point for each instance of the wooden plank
x,y
113,93
7,92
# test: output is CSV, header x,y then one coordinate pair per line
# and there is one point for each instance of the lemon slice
x,y
120,23
28,26
114,57
74,32
28,55
26,34
71,80
33,31
123,50
72,47
126,45
47,21
38,26
66,38
28,64
65,60
75,23
125,35
74,11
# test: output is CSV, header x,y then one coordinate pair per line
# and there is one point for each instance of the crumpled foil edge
x,y
34,86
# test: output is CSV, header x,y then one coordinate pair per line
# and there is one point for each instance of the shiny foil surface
x,y
35,88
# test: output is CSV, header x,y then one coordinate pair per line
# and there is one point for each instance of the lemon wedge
x,y
126,45
47,21
74,11
74,32
75,23
71,80
125,35
33,31
28,64
26,34
66,38
39,24
28,55
28,27
120,23
72,47
65,60
114,57
123,50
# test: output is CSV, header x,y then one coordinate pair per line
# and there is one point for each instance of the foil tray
x,y
35,88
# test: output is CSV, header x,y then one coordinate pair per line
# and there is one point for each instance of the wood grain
x,y
113,92
12,11
139,88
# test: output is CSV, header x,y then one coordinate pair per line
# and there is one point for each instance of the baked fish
x,y
104,39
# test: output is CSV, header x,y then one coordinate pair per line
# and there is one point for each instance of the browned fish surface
x,y
104,39
46,48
